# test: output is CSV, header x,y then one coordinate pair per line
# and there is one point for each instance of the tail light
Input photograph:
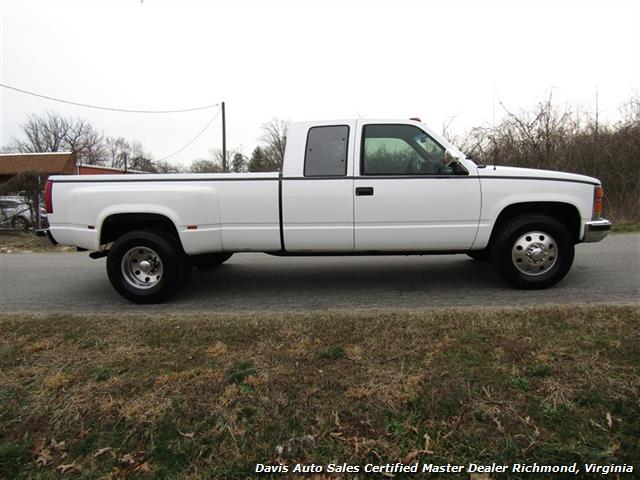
x,y
598,193
48,200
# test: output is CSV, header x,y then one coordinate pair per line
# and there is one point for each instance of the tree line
x,y
547,136
555,137
54,132
267,156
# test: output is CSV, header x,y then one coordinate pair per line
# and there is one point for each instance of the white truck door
x,y
406,198
317,188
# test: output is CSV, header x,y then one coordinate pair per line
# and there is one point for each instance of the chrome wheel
x,y
534,253
141,267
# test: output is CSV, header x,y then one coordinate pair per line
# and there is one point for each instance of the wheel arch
x,y
117,224
565,213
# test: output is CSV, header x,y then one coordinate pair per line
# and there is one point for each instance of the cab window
x,y
326,152
389,149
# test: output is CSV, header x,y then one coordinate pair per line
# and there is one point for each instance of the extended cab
x,y
346,187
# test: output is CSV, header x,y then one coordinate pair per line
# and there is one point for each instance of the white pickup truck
x,y
354,187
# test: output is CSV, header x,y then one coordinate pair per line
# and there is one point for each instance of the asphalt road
x,y
606,272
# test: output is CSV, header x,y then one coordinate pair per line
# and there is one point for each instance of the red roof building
x,y
45,164
50,163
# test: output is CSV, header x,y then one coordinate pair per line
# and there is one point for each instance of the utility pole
x,y
224,140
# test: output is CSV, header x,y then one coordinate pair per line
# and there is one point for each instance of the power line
x,y
193,139
98,107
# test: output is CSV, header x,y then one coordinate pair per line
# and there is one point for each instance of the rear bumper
x,y
596,230
46,233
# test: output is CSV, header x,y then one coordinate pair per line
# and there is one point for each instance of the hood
x,y
499,171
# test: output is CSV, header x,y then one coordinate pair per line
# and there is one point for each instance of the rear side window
x,y
326,152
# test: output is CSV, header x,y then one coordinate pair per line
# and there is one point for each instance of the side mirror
x,y
449,158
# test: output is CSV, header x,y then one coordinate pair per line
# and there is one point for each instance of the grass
x,y
12,241
332,353
626,228
208,396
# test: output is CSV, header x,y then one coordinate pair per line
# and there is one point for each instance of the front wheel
x,y
147,266
533,251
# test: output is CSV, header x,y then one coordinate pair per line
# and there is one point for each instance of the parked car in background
x,y
15,213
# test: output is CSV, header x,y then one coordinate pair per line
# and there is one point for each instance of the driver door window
x,y
401,150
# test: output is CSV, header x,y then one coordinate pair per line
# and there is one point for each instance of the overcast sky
x,y
305,60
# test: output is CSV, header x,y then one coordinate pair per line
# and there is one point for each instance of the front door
x,y
407,198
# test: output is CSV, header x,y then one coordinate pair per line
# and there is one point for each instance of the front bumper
x,y
596,230
46,233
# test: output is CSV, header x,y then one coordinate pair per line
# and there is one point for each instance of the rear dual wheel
x,y
147,266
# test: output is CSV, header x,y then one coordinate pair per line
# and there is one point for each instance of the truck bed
x,y
211,212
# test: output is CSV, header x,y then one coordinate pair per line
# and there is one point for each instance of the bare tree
x,y
205,166
445,129
122,153
274,138
117,150
52,132
555,137
214,164
631,110
87,142
211,164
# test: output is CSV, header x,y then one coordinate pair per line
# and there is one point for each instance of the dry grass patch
x,y
12,241
208,396
56,381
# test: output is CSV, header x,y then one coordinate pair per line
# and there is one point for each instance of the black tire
x,y
547,256
207,261
174,266
20,223
480,255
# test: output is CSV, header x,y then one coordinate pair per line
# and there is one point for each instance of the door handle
x,y
362,191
